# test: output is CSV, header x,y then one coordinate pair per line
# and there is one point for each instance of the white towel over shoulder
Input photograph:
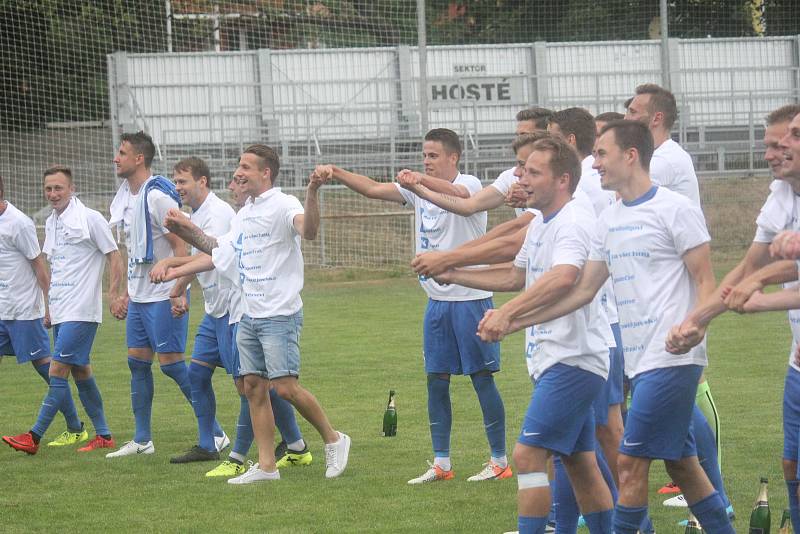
x,y
74,220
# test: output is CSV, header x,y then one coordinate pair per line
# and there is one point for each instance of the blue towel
x,y
141,246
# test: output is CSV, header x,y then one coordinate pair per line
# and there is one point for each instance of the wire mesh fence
x,y
347,82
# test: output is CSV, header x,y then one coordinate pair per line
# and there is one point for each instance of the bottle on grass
x,y
390,417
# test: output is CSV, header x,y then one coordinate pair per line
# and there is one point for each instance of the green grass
x,y
361,338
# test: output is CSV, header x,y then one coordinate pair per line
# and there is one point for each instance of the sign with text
x,y
486,90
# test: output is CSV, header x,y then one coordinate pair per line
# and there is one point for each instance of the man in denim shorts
x,y
262,255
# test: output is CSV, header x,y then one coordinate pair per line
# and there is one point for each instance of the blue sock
x,y
605,470
93,404
599,522
647,526
567,510
628,520
67,406
551,518
244,428
712,515
531,525
204,404
283,411
494,413
55,397
706,444
141,398
179,372
440,414
794,506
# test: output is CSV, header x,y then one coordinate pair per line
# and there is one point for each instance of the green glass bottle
x,y
759,518
390,417
693,525
786,521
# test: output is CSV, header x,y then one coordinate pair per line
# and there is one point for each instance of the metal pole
x,y
215,26
168,6
665,66
422,44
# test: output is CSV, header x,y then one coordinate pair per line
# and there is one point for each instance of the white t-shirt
x,y
643,243
601,199
578,339
140,288
76,268
214,218
20,295
438,229
503,184
235,305
261,254
671,167
780,212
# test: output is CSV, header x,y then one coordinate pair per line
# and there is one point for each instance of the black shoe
x,y
195,454
281,450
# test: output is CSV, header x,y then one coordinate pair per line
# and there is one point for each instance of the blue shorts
x,y
150,325
450,343
659,422
560,417
612,391
73,342
791,415
616,372
270,347
25,339
601,403
213,342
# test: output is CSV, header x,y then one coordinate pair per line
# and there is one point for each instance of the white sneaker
x,y
336,455
131,448
255,474
678,501
492,471
434,474
220,442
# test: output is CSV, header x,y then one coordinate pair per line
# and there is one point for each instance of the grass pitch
x,y
360,339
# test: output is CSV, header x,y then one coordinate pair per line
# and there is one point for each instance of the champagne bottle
x,y
786,521
693,525
759,518
390,417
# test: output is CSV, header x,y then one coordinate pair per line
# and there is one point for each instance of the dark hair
x,y
2,189
660,100
627,104
563,159
528,139
609,116
783,114
632,134
577,122
448,138
55,169
269,159
197,167
538,115
142,143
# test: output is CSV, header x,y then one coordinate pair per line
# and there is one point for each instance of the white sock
x,y
500,461
297,446
443,462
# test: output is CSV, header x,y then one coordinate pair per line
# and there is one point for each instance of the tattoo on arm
x,y
202,241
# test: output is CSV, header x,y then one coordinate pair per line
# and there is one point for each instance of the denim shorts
x,y
270,347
